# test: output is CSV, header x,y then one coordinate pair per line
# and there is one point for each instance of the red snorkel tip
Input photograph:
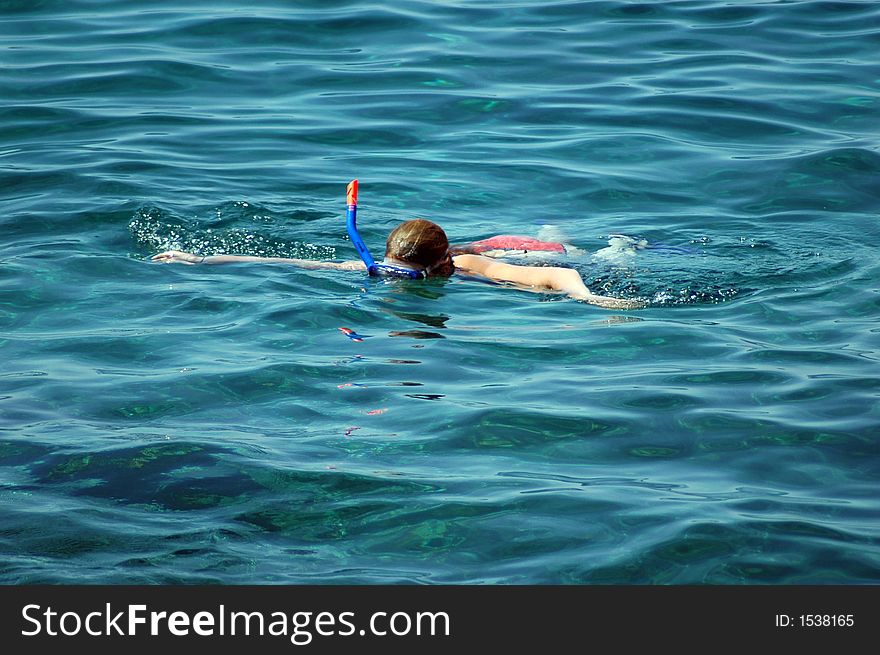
x,y
352,193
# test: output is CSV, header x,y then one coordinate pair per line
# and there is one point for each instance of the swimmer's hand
x,y
177,257
610,303
569,281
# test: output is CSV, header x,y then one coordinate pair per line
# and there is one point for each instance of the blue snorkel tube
x,y
351,225
351,200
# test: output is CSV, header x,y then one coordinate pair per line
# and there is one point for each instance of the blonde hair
x,y
419,242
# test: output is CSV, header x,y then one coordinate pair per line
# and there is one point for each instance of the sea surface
x,y
165,423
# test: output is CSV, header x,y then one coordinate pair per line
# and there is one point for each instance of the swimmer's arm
x,y
541,278
178,257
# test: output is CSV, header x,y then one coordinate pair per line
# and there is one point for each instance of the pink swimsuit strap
x,y
514,242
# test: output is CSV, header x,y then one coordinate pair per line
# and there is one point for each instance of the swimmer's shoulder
x,y
471,264
494,270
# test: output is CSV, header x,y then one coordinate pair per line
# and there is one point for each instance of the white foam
x,y
621,249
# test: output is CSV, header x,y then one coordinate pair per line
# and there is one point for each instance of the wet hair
x,y
421,243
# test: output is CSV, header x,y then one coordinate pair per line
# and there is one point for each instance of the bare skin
x,y
179,257
542,279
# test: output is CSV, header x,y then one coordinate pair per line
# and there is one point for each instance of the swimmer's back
x,y
504,243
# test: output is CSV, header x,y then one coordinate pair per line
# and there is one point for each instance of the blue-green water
x,y
178,424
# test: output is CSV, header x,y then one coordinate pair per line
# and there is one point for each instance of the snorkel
x,y
351,200
351,225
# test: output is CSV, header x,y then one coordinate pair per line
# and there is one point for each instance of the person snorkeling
x,y
419,248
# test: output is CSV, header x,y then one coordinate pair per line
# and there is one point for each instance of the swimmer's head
x,y
420,243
